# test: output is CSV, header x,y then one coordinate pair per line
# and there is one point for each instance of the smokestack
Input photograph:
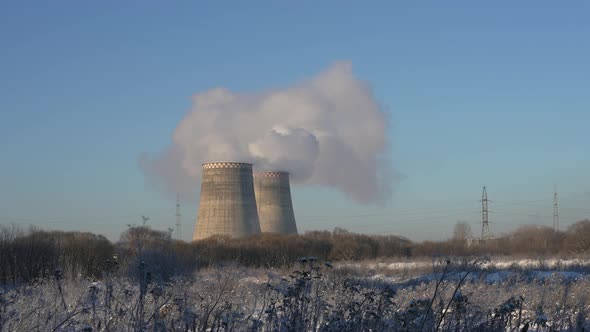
x,y
273,198
227,205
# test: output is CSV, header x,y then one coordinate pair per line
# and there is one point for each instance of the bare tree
x,y
578,237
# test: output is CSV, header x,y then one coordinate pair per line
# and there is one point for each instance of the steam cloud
x,y
326,131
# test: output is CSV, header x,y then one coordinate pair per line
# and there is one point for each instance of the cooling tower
x,y
227,205
273,198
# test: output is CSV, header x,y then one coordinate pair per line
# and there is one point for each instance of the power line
x,y
522,214
535,203
77,219
401,213
416,219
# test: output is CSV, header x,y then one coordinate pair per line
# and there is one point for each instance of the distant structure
x,y
485,223
555,211
227,205
273,198
178,234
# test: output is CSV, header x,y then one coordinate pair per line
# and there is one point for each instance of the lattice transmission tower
x,y
555,211
485,222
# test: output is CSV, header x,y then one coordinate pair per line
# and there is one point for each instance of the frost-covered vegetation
x,y
67,281
314,296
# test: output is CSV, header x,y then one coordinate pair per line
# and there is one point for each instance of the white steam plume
x,y
326,131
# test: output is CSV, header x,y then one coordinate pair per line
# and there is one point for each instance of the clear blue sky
x,y
493,93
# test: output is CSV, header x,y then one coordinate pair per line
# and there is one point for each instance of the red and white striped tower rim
x,y
272,174
226,164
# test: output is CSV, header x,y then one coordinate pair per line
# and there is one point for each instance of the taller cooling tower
x,y
273,197
227,205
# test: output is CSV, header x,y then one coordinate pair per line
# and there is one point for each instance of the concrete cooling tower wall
x,y
227,205
273,198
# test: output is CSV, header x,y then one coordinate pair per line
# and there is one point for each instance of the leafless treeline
x,y
33,254
28,255
530,240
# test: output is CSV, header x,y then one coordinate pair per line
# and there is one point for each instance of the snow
x,y
550,264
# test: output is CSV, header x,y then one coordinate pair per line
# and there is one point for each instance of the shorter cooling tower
x,y
273,198
227,205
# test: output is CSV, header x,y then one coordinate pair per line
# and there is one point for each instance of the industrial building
x,y
273,199
227,204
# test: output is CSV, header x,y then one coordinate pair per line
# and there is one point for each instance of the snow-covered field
x,y
487,270
484,263
487,295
